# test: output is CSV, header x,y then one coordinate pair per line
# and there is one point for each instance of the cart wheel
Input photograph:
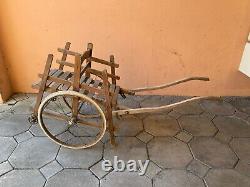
x,y
60,125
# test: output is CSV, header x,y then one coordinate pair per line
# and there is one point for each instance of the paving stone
x,y
223,137
5,167
51,169
242,104
11,101
98,171
128,148
6,114
177,178
139,98
73,178
241,115
198,168
13,125
125,179
34,153
174,114
81,158
65,136
169,152
161,125
197,126
23,136
243,167
184,136
19,96
24,107
218,107
207,115
128,126
7,145
189,109
5,107
152,170
176,98
144,136
226,177
36,130
18,178
232,126
153,101
129,101
105,138
241,146
213,152
55,127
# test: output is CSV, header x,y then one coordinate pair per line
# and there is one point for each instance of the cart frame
x,y
104,91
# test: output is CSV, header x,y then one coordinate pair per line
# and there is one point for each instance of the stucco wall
x,y
155,41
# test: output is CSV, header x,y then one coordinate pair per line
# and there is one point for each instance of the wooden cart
x,y
84,99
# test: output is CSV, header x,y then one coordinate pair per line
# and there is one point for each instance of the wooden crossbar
x,y
68,52
99,74
104,62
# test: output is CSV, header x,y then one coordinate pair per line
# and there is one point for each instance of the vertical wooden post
x,y
64,56
43,83
89,48
76,84
108,107
112,60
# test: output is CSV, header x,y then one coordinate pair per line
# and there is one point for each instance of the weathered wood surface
x,y
158,109
168,84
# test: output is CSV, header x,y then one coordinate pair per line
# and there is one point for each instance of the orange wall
x,y
154,41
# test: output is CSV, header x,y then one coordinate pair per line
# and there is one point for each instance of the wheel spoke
x,y
54,115
84,123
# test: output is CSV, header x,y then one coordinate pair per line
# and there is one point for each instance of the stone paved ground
x,y
199,144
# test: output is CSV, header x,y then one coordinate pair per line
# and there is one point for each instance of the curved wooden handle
x,y
169,84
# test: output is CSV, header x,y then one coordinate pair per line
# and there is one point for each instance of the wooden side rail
x,y
104,62
100,74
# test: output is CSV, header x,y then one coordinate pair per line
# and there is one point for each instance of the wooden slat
x,y
84,68
95,85
59,80
49,81
36,85
68,52
64,63
76,84
104,62
43,83
108,107
87,81
112,61
99,73
115,95
92,89
112,88
56,74
63,76
64,56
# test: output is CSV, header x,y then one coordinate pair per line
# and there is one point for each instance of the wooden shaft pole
x,y
169,84
158,109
